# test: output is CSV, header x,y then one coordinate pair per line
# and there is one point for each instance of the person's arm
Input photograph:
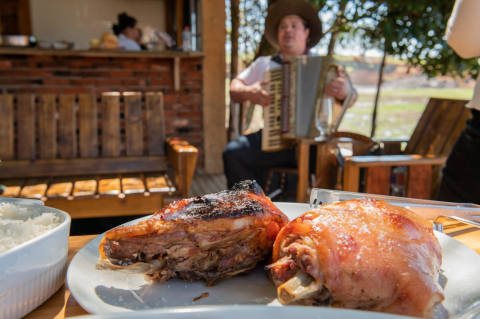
x,y
462,28
240,92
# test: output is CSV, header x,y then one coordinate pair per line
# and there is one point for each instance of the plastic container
x,y
186,40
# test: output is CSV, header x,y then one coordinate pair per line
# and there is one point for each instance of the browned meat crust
x,y
360,254
212,237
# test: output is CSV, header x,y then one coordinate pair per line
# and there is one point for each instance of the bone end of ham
x,y
367,254
300,286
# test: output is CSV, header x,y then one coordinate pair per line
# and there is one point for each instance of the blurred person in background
x,y
293,27
461,175
127,32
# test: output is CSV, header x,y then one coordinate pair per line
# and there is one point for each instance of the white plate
x,y
102,292
250,312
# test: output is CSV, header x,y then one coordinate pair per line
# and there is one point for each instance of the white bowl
x,y
32,272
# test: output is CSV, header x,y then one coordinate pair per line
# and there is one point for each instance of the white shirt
x,y
127,43
462,36
256,70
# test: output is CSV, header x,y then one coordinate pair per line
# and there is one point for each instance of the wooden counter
x,y
63,305
100,53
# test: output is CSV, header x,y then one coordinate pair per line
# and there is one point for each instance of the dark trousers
x,y
243,159
461,175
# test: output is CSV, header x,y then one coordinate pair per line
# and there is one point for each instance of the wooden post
x,y
303,171
351,177
179,21
214,35
176,73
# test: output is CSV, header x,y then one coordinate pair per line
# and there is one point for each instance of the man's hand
x,y
339,87
257,95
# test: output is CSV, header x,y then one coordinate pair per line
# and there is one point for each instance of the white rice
x,y
17,227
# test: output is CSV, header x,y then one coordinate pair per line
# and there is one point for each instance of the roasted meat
x,y
359,254
214,237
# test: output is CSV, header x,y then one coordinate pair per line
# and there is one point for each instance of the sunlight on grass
x,y
398,112
444,93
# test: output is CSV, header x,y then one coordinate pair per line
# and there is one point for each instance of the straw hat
x,y
301,8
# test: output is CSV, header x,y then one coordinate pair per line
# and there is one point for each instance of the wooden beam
x,y
107,206
325,168
351,177
101,53
24,18
303,171
168,17
82,166
176,73
179,21
213,44
395,160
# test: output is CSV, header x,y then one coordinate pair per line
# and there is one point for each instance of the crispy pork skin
x,y
213,237
359,254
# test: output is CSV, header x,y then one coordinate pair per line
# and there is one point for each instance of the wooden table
x,y
304,167
325,172
63,305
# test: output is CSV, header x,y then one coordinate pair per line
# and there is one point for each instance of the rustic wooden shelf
x,y
101,53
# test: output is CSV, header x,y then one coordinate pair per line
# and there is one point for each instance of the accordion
x,y
296,90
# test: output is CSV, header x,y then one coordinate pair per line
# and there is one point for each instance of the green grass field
x,y
398,112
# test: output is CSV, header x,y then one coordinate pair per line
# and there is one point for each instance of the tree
x,y
415,31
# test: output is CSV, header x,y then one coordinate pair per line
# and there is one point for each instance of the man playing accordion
x,y
293,27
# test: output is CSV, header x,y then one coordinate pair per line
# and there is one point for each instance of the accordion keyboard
x,y
271,134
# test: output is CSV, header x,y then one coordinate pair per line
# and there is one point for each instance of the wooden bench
x,y
92,157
